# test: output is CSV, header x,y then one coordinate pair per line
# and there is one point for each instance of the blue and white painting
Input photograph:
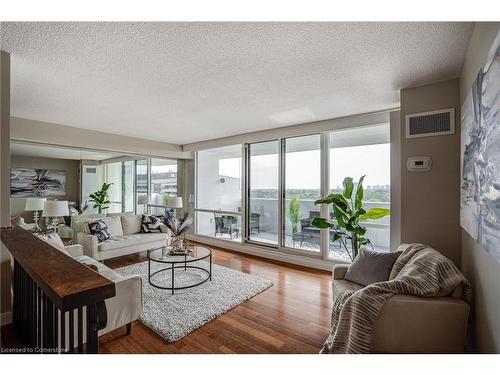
x,y
26,182
480,142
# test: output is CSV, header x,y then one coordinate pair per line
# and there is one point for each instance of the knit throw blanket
x,y
419,271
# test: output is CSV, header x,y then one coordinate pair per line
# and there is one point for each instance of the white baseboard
x,y
6,318
266,253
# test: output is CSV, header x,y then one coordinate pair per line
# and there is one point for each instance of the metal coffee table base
x,y
172,269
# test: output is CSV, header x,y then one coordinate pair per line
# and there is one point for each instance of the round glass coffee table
x,y
182,263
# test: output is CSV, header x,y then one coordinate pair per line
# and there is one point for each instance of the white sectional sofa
x,y
126,238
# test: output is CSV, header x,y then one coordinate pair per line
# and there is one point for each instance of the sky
x,y
303,168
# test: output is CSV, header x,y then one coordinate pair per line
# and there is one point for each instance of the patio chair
x,y
226,224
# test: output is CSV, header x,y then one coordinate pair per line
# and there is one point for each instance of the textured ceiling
x,y
186,82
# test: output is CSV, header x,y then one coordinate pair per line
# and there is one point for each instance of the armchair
x,y
411,324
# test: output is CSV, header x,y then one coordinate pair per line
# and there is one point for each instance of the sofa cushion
x,y
131,224
117,242
114,224
371,267
100,230
101,268
339,286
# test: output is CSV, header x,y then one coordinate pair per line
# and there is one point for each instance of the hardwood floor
x,y
293,316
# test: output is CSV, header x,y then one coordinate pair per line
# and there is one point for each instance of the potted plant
x,y
294,214
348,212
101,198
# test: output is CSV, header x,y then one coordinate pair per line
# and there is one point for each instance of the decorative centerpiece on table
x,y
178,227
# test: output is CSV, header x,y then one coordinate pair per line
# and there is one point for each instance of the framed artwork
x,y
480,152
25,182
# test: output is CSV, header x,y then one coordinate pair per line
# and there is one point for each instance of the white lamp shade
x,y
55,209
174,202
35,204
142,199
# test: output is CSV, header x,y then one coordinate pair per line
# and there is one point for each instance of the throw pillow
x,y
100,230
371,267
150,224
54,240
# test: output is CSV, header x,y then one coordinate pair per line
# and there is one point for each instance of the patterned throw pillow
x,y
150,224
100,230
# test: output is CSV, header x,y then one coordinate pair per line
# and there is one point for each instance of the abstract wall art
x,y
480,150
26,182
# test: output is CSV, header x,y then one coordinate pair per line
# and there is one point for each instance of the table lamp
x,y
174,203
35,205
55,209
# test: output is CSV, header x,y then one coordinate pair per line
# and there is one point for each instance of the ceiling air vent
x,y
427,124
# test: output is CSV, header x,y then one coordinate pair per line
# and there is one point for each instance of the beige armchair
x,y
411,324
126,305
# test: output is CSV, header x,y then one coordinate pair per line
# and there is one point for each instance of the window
x,y
141,184
358,152
128,186
218,188
163,184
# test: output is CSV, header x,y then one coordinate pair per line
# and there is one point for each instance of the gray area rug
x,y
174,316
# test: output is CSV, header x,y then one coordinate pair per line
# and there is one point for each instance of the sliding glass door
x,y
218,193
263,192
302,186
282,179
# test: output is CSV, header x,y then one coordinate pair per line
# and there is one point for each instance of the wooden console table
x,y
58,302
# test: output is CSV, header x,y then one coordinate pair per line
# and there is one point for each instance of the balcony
x,y
265,230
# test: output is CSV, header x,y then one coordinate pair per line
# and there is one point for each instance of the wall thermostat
x,y
419,163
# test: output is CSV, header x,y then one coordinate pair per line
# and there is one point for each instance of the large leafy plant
x,y
348,212
101,198
294,213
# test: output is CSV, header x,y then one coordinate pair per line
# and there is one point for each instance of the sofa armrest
x,y
74,250
89,244
126,305
411,324
339,271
